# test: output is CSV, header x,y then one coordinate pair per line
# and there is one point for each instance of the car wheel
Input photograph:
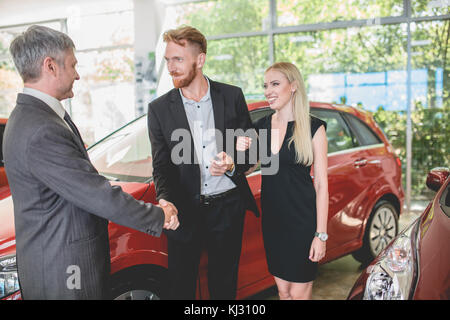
x,y
146,284
381,228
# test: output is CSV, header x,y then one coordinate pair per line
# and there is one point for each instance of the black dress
x,y
288,203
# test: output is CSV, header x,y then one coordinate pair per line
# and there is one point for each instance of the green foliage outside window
x,y
372,48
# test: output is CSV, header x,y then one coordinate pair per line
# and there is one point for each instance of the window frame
x,y
349,118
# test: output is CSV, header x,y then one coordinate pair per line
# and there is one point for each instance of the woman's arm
x,y
320,151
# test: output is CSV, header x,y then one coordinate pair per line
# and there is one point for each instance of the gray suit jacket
x,y
62,207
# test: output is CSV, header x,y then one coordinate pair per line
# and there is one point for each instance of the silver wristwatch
x,y
321,235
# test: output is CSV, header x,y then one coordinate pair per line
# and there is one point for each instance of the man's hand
x,y
170,215
221,164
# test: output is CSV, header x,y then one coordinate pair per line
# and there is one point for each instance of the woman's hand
x,y
318,250
243,143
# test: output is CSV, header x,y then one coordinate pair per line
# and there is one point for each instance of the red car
x,y
415,266
4,188
365,190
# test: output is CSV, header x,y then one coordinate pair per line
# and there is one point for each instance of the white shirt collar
x,y
206,97
52,102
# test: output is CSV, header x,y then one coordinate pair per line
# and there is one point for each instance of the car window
x,y
444,201
125,155
364,134
2,130
338,134
261,113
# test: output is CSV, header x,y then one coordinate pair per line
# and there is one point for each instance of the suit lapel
x,y
218,103
178,115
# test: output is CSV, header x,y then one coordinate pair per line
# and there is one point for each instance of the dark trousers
x,y
219,231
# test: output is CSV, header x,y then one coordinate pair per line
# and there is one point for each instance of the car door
x,y
371,156
345,188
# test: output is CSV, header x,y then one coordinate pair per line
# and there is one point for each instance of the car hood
x,y
7,232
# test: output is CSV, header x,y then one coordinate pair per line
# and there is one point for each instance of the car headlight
x,y
393,276
9,280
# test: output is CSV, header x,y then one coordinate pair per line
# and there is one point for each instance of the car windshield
x,y
125,155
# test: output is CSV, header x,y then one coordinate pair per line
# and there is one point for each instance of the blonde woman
x,y
294,208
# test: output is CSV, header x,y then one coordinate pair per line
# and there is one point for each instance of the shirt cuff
x,y
230,174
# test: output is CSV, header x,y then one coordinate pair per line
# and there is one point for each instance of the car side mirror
x,y
436,177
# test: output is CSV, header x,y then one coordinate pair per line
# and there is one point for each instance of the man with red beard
x,y
209,189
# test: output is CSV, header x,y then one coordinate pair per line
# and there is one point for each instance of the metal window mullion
x,y
330,26
408,111
273,24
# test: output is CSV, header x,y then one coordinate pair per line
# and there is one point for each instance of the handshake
x,y
170,215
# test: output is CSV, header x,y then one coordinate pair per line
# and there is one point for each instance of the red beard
x,y
184,82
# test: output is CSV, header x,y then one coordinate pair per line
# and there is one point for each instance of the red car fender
x,y
379,193
134,248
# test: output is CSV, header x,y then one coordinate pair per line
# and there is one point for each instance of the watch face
x,y
322,236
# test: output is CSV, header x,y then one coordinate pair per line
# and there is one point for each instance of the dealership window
x,y
352,51
224,16
298,12
104,95
423,8
10,81
357,66
430,52
241,62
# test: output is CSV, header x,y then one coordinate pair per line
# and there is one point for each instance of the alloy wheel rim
x,y
138,295
382,230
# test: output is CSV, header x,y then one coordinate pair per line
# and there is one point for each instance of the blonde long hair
x,y
300,107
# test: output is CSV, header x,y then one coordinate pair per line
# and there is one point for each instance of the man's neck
x,y
41,87
197,89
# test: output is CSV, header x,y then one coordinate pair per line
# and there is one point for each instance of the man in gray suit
x,y
61,204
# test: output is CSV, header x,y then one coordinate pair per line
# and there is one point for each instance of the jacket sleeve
x,y
54,158
163,169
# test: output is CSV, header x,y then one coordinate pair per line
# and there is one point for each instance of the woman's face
x,y
277,89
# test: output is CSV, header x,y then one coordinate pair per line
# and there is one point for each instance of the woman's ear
x,y
293,86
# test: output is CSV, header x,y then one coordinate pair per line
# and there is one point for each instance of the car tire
x,y
139,283
381,229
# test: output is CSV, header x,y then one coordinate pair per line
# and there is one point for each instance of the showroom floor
x,y
336,278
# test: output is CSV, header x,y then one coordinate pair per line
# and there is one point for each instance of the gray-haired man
x,y
61,204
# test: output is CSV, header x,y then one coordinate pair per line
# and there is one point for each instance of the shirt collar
x,y
52,102
205,98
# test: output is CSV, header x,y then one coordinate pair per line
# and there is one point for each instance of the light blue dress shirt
x,y
200,116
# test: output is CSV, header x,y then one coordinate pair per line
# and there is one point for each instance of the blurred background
x,y
389,57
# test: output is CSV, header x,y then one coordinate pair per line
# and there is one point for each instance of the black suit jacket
x,y
180,183
62,207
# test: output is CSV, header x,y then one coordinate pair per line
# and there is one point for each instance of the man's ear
x,y
201,59
49,66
